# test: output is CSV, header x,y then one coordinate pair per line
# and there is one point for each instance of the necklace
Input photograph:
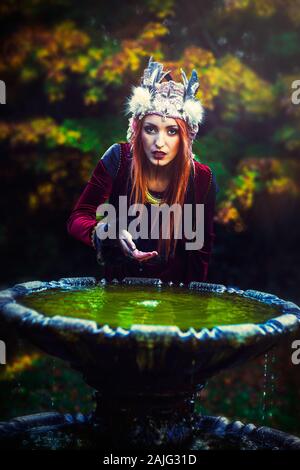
x,y
153,200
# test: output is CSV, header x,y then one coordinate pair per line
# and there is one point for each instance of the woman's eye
x,y
170,131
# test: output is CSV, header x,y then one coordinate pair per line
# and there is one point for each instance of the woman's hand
x,y
129,248
126,243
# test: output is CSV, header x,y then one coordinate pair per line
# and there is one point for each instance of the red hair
x,y
180,172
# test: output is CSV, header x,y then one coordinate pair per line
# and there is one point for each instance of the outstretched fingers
x,y
143,255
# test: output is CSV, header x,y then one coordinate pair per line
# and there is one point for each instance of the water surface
x,y
130,305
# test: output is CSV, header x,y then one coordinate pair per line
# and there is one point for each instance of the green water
x,y
125,306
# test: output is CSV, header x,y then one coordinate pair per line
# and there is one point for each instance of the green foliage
x,y
96,135
283,45
219,144
289,136
216,149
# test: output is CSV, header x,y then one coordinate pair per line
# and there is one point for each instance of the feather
x,y
194,111
140,101
153,74
193,85
184,79
164,75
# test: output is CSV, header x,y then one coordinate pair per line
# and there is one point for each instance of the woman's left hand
x,y
143,255
129,248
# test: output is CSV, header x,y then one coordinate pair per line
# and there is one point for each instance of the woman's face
x,y
162,136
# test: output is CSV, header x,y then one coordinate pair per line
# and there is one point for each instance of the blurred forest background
x,y
68,69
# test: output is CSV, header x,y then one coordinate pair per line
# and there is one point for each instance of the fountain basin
x,y
147,359
58,431
147,375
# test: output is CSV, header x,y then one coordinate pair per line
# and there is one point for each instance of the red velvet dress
x,y
186,265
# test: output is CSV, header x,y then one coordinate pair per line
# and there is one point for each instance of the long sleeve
x,y
98,189
198,260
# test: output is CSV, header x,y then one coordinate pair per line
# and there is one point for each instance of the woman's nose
x,y
160,140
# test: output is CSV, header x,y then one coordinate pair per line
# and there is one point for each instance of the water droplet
x,y
264,393
268,387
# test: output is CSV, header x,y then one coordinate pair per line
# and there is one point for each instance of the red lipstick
x,y
159,155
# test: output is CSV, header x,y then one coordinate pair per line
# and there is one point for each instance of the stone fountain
x,y
147,376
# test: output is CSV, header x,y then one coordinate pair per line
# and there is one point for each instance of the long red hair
x,y
180,171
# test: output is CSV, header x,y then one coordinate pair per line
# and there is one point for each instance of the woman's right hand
x,y
127,244
129,249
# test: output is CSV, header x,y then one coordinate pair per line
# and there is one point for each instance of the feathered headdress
x,y
167,99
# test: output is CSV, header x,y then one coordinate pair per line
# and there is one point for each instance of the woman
x,y
155,167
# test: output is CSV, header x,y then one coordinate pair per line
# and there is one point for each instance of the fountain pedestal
x,y
141,421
